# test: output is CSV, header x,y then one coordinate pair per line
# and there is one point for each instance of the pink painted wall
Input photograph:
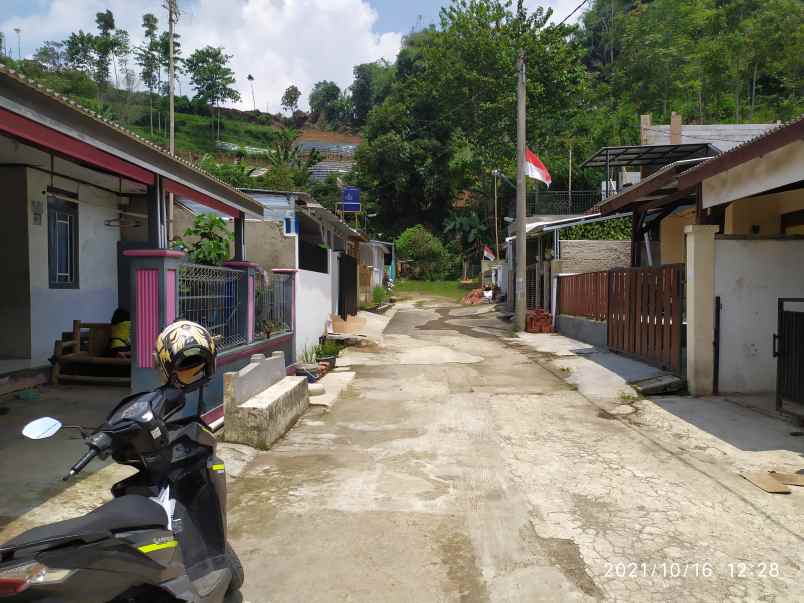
x,y
147,324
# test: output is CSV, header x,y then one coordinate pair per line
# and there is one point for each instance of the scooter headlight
x,y
16,579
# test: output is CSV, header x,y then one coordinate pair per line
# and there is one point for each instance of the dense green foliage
x,y
429,259
441,117
448,116
611,230
211,240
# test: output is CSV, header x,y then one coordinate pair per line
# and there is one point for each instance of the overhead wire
x,y
577,8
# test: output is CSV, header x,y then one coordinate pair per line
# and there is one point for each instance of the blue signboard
x,y
350,200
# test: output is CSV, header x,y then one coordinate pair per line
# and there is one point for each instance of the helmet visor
x,y
190,370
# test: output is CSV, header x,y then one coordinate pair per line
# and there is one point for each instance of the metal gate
x,y
347,286
788,348
645,314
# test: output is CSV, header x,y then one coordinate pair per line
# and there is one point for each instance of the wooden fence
x,y
645,314
584,295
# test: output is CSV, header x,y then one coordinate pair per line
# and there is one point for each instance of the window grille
x,y
62,219
273,309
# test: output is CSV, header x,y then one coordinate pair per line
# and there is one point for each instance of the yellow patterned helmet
x,y
185,353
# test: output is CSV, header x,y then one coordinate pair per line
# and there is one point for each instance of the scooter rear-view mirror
x,y
41,428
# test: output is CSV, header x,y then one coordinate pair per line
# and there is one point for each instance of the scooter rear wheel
x,y
238,576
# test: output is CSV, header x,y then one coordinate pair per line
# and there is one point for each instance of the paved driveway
x,y
455,467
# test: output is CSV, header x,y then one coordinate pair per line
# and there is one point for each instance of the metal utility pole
x,y
496,223
172,17
569,187
521,301
172,73
250,78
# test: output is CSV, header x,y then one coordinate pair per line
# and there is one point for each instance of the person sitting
x,y
120,334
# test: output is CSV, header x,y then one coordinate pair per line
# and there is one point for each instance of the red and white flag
x,y
535,168
488,254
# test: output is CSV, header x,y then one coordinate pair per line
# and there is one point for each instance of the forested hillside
x,y
441,117
447,117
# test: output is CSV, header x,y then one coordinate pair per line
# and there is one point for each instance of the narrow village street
x,y
456,467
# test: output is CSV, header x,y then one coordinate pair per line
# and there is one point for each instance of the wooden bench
x,y
81,356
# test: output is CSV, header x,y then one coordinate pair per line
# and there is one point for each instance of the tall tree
x,y
212,78
147,56
290,99
51,55
164,57
371,85
79,50
450,116
121,50
323,98
104,47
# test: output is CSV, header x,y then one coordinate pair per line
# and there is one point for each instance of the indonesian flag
x,y
488,254
535,168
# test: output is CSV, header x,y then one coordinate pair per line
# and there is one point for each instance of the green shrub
x,y
328,348
211,247
429,259
378,295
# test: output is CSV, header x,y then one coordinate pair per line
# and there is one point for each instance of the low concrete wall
x,y
590,256
593,332
261,403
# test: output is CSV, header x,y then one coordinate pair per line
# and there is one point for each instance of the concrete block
x,y
316,389
267,416
261,403
260,374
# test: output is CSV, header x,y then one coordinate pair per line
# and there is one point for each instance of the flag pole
x,y
521,300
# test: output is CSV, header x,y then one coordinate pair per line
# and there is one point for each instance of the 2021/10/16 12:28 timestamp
x,y
692,570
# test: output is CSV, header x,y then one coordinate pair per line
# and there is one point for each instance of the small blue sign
x,y
350,200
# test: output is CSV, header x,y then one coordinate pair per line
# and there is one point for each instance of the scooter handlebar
x,y
82,462
98,444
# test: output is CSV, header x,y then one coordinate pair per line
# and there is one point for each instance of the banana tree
x,y
470,232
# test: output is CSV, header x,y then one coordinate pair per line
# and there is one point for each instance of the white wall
x,y
313,308
773,170
750,277
53,310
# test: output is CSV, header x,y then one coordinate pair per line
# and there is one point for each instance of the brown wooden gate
x,y
645,314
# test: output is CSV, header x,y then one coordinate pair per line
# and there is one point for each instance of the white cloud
x,y
280,42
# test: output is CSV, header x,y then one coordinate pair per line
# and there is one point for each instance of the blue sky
x,y
280,42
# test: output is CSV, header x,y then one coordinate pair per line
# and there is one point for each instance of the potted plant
x,y
308,366
328,352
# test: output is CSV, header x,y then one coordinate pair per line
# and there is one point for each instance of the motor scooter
x,y
162,537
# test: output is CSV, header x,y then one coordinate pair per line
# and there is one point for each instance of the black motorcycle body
x,y
163,535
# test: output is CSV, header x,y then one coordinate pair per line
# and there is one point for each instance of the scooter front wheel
x,y
238,576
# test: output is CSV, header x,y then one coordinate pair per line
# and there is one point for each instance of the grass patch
x,y
449,289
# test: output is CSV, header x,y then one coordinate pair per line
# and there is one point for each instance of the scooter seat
x,y
119,514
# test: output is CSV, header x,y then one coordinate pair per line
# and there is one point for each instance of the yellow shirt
x,y
120,335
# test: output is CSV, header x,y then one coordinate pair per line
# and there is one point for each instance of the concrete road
x,y
456,468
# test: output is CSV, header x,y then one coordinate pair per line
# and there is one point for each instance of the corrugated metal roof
x,y
790,130
135,138
722,136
